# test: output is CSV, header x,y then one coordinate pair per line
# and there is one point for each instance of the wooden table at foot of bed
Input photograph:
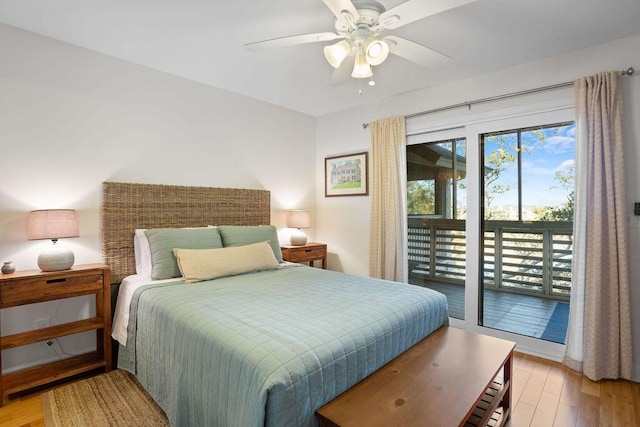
x,y
450,378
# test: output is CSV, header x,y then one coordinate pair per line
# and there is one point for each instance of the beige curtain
x,y
387,244
599,337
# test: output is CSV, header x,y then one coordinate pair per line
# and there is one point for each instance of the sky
x,y
539,185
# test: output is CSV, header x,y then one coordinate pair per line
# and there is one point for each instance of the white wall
x,y
71,118
343,223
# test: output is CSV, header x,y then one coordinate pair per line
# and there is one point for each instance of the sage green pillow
x,y
240,235
162,242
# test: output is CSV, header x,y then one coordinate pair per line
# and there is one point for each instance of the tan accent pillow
x,y
204,264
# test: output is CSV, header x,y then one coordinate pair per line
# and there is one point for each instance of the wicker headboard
x,y
127,207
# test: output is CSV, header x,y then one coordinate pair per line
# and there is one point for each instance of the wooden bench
x,y
450,378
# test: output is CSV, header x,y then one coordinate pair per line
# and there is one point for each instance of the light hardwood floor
x,y
545,394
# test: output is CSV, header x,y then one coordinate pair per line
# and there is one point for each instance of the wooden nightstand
x,y
33,286
308,253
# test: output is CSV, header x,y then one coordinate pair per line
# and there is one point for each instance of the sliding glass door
x,y
490,215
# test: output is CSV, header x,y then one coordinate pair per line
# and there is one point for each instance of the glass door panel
x,y
527,230
436,205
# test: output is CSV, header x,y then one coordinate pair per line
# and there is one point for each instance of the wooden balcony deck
x,y
527,271
521,314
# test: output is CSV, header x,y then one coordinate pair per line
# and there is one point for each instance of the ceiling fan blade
x,y
414,10
415,52
291,40
343,72
342,9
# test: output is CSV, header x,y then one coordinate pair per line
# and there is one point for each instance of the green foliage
x,y
564,212
421,197
500,159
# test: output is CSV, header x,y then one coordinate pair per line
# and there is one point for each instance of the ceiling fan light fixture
x,y
360,25
377,52
361,68
336,53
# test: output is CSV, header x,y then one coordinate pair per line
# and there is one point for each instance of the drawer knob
x,y
56,280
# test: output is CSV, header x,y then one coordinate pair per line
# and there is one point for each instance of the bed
x,y
267,344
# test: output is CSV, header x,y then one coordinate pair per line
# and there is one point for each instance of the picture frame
x,y
346,175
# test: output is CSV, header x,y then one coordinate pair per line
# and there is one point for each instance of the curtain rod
x,y
628,72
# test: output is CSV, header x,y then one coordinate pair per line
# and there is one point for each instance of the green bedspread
x,y
269,348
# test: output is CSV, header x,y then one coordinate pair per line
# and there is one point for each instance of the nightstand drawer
x,y
44,288
306,254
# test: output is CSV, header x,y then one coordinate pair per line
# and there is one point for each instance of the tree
x,y
421,197
564,212
496,162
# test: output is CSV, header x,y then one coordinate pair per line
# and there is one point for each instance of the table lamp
x,y
54,224
298,219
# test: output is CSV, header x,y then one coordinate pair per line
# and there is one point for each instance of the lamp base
x,y
56,258
298,238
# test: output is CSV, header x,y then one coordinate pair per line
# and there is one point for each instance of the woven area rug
x,y
112,399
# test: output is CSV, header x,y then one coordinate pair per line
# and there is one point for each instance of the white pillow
x,y
205,264
142,253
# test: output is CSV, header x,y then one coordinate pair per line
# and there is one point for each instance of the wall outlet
x,y
43,323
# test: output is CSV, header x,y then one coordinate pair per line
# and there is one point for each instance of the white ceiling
x,y
203,40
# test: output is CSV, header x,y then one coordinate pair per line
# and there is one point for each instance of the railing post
x,y
547,261
433,230
497,257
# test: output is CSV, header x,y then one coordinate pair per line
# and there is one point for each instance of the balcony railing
x,y
524,257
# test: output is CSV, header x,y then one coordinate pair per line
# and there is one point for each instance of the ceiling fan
x,y
361,25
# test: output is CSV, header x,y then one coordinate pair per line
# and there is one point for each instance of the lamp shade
x,y
52,224
298,219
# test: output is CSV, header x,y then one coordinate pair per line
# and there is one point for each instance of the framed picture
x,y
346,175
